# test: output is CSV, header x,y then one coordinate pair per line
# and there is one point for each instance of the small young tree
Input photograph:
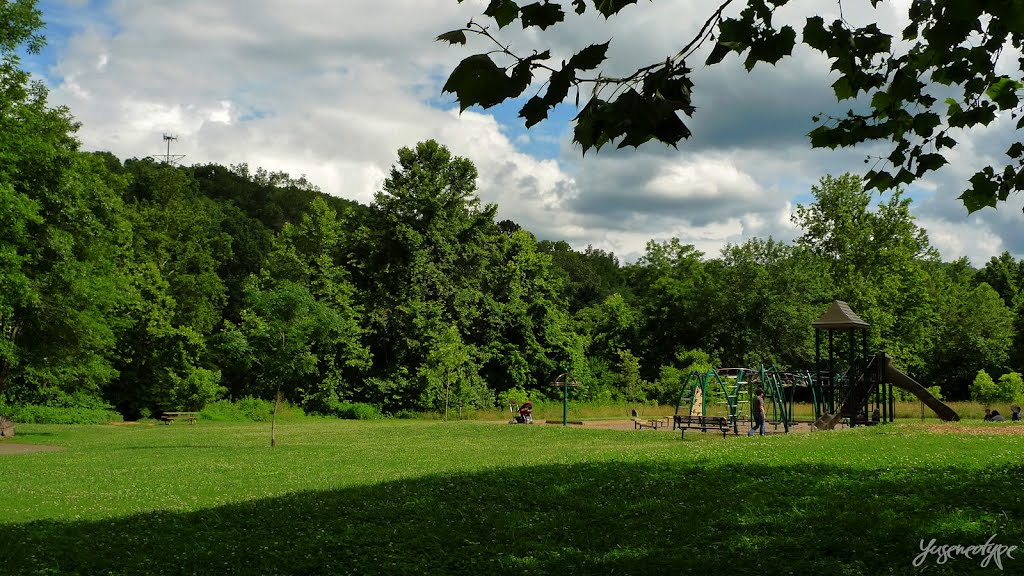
x,y
450,374
283,336
632,386
983,389
1010,387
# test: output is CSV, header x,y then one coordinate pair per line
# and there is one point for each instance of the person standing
x,y
757,407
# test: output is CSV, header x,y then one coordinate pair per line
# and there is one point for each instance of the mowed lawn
x,y
407,497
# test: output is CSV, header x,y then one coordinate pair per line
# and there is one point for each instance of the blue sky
x,y
331,90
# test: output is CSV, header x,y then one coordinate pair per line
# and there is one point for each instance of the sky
x,y
332,89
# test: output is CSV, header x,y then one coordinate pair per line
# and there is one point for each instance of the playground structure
x,y
847,385
857,386
726,393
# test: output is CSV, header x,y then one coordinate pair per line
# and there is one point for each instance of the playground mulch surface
x,y
12,448
993,428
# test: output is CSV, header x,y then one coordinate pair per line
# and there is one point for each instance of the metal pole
x,y
565,401
817,372
831,372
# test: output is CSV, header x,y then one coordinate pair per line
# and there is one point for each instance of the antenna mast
x,y
169,158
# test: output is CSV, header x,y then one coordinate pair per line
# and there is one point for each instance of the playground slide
x,y
901,380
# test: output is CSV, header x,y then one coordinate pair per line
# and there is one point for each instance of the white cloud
x,y
331,90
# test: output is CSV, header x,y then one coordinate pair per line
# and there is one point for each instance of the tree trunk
x,y
447,395
273,419
6,427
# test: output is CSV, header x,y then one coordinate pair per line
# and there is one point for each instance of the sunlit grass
x,y
395,497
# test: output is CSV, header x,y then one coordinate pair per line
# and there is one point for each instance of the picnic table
x,y
189,417
653,423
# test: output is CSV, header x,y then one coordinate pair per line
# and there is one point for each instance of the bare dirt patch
x,y
14,448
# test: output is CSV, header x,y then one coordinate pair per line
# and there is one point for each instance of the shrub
x,y
34,414
1010,387
249,409
517,395
197,389
353,411
983,389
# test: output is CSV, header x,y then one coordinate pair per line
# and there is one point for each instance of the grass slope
x,y
473,498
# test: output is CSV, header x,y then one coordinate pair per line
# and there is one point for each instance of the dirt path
x,y
987,428
13,448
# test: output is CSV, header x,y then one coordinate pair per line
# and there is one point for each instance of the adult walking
x,y
757,407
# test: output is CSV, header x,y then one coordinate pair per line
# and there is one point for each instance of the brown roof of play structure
x,y
840,317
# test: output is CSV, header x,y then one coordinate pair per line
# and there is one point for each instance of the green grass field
x,y
401,497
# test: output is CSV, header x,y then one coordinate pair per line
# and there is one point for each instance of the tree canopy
x,y
947,70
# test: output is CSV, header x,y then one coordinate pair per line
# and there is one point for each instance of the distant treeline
x,y
157,287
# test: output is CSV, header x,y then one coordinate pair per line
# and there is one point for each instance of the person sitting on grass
x,y
988,414
1015,413
997,417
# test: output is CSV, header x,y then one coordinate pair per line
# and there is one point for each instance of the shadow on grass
x,y
601,518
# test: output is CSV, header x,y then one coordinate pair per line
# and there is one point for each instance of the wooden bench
x,y
652,423
702,423
189,417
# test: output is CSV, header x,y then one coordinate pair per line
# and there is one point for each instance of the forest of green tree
x,y
156,287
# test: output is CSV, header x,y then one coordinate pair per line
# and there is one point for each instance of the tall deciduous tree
x,y
875,261
947,46
974,329
312,254
62,232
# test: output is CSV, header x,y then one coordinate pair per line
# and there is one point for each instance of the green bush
x,y
353,411
1010,387
249,409
983,389
34,414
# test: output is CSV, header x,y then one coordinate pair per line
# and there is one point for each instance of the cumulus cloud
x,y
331,90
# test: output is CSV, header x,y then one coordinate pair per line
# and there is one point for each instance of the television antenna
x,y
168,158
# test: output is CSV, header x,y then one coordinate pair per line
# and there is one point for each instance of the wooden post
x,y
273,420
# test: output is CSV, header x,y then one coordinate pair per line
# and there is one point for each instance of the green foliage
x,y
353,411
1010,387
34,414
286,336
975,329
983,389
946,47
517,395
451,377
249,409
196,390
632,387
